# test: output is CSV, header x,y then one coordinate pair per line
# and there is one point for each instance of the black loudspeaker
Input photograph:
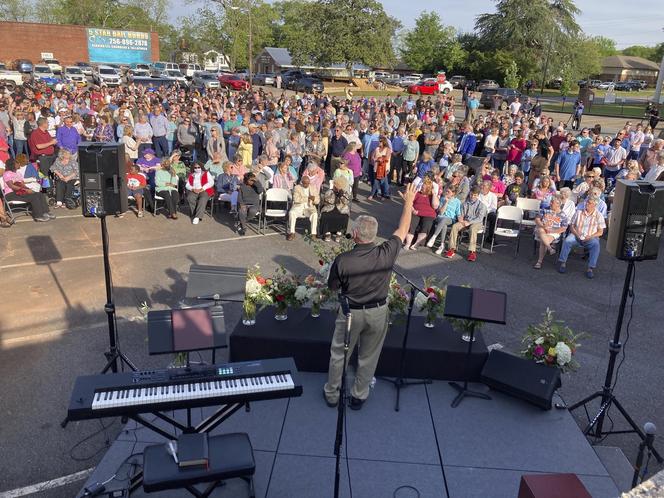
x,y
637,215
103,185
521,378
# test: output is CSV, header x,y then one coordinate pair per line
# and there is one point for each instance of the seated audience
x,y
586,227
227,186
549,225
335,207
473,214
305,205
166,187
200,187
65,170
137,187
425,204
16,190
448,213
249,200
283,178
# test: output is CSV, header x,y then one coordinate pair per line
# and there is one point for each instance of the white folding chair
x,y
155,205
15,206
508,213
279,196
528,206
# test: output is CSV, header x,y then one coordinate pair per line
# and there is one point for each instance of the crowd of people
x,y
187,147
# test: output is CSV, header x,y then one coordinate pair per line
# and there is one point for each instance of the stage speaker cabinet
x,y
103,184
635,224
521,378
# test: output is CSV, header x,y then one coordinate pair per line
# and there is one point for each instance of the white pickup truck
x,y
11,79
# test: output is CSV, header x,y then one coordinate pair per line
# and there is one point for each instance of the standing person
x,y
160,131
354,161
338,144
68,137
362,276
381,169
411,151
568,165
578,112
41,146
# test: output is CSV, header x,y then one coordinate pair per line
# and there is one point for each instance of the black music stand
x,y
217,284
478,305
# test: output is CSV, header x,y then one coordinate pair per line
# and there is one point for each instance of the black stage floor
x,y
479,449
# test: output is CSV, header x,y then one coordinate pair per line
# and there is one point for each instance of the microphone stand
x,y
400,381
341,406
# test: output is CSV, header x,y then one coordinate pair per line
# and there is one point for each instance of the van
x,y
159,67
189,69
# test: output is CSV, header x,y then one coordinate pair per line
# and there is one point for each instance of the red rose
x,y
281,297
261,280
430,290
321,262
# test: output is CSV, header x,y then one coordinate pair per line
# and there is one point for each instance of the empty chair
x,y
508,214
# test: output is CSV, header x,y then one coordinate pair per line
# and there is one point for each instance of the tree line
x,y
522,40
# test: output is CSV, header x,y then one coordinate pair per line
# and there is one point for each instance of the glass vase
x,y
430,319
315,309
281,311
248,312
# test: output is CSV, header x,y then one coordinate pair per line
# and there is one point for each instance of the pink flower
x,y
538,351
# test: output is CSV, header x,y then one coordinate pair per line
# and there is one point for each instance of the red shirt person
x,y
41,145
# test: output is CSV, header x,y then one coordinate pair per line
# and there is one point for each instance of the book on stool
x,y
193,450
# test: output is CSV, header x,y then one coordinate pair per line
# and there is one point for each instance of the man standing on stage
x,y
362,275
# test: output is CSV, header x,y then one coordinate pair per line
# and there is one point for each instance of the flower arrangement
x,y
326,252
318,293
397,297
433,302
256,292
283,289
551,343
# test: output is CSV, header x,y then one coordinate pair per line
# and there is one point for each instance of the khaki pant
x,y
302,211
369,327
472,229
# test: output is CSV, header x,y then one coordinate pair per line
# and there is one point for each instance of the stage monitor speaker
x,y
637,216
521,378
103,184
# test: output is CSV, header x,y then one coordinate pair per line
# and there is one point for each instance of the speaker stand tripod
x,y
595,428
114,355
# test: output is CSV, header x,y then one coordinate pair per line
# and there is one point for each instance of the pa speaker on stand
x,y
103,184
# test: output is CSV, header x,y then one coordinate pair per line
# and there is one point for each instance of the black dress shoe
x,y
331,405
355,404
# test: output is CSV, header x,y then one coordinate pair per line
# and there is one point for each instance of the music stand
x,y
478,305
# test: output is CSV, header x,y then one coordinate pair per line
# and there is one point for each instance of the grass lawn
x,y
617,110
367,93
641,94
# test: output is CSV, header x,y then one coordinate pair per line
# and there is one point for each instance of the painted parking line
x,y
46,485
138,251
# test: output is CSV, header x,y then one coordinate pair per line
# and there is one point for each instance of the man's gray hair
x,y
365,228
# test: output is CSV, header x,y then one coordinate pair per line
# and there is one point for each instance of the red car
x,y
233,81
429,87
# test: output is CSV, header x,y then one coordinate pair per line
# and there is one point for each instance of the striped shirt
x,y
586,224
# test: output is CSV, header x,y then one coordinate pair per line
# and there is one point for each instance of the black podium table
x,y
437,353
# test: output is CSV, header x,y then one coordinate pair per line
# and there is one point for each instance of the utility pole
x,y
657,98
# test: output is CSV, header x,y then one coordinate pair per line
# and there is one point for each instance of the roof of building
x,y
281,56
629,62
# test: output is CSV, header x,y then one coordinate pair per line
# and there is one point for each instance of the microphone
x,y
349,236
345,307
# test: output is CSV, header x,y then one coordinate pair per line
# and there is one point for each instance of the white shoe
x,y
195,221
440,250
431,241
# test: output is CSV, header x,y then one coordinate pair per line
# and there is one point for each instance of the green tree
x,y
641,51
430,45
512,79
606,46
16,10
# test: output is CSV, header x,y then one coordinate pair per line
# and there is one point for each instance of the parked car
x,y
407,81
288,77
177,76
74,74
23,65
189,69
487,85
139,65
592,84
3,67
106,76
132,74
42,71
606,85
263,79
202,79
85,67
429,87
627,86
244,74
12,79
54,65
505,95
391,79
308,84
233,81
638,84
457,81
159,66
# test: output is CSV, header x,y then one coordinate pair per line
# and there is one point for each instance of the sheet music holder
x,y
182,331
478,305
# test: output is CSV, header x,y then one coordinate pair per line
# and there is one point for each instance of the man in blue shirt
x,y
396,164
159,123
473,104
467,143
568,165
369,143
68,137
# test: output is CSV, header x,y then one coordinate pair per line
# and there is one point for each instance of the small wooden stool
x,y
552,486
230,456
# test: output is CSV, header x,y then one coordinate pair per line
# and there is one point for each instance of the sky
x,y
641,25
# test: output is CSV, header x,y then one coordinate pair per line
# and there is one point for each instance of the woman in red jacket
x,y
200,188
425,205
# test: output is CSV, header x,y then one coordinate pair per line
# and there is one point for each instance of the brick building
x,y
68,43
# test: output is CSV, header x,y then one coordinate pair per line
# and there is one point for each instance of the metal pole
x,y
657,98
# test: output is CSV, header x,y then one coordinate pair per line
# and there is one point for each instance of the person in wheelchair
x,y
65,170
248,200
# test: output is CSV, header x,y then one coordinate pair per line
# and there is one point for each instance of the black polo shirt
x,y
363,273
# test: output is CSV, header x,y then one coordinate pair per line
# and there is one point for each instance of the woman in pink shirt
x,y
352,155
516,148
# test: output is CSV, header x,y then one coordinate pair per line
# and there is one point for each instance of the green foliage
x,y
606,46
651,53
430,45
512,79
16,10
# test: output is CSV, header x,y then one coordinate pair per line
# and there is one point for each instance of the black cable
x,y
632,294
350,486
87,438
